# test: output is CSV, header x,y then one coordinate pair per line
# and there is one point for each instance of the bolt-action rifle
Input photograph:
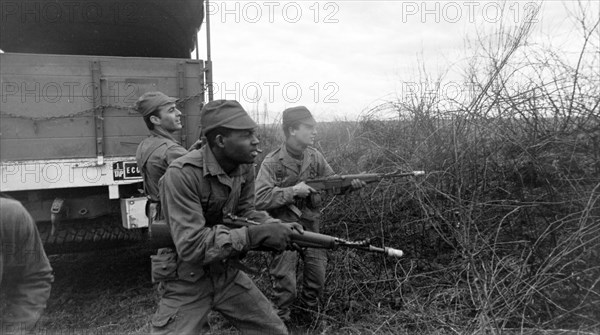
x,y
160,237
337,184
340,184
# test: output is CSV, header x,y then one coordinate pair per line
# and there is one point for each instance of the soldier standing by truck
x,y
25,272
196,191
155,153
281,190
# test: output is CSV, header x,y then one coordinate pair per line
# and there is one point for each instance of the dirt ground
x,y
102,292
108,292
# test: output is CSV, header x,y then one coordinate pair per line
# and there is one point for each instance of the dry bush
x,y
503,234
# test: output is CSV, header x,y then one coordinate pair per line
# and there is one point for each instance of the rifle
x,y
338,183
160,237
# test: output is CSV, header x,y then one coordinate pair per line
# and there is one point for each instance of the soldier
x,y
197,190
281,190
153,156
155,153
25,272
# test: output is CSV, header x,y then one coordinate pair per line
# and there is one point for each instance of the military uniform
x,y
195,195
278,173
153,156
25,272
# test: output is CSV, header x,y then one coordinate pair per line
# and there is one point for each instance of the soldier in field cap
x,y
281,190
157,151
298,114
197,190
153,156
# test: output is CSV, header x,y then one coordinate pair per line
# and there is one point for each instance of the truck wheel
x,y
88,235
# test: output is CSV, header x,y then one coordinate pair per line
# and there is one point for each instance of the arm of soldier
x,y
327,171
271,233
194,241
27,300
268,195
247,201
196,145
173,152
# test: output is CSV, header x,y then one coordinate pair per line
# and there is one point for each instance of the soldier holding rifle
x,y
197,190
282,191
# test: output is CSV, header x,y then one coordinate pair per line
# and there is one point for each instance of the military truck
x,y
70,73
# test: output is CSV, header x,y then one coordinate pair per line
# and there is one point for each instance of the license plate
x,y
126,170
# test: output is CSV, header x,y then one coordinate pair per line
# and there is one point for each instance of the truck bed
x,y
67,106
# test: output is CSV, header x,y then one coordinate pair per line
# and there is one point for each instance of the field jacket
x,y
278,173
25,272
196,194
153,156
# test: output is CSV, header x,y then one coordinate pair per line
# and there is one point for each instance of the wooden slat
x,y
123,80
47,148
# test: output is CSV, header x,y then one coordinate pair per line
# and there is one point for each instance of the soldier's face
x,y
170,118
305,134
241,146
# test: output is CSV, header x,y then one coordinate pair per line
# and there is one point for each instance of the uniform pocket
x,y
164,265
242,280
164,315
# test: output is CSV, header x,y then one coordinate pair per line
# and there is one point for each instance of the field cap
x,y
150,101
225,113
298,114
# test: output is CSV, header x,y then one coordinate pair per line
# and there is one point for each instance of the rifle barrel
x,y
388,251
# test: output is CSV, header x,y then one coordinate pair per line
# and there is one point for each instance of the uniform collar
x,y
211,165
161,132
284,157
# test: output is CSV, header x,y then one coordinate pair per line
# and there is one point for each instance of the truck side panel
x,y
47,103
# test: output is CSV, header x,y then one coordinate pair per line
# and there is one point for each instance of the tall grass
x,y
503,233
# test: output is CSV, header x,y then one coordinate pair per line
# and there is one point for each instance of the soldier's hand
x,y
295,226
302,190
357,184
273,235
196,145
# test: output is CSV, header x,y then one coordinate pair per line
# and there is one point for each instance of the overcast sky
x,y
339,58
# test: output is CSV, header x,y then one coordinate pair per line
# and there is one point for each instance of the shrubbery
x,y
503,232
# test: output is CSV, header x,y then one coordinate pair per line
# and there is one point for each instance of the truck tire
x,y
89,235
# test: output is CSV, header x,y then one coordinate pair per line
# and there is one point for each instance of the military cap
x,y
224,113
298,114
150,101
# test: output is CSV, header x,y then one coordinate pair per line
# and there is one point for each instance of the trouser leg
x,y
244,305
315,264
283,276
183,308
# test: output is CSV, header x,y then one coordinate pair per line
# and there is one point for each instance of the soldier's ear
x,y
155,119
220,141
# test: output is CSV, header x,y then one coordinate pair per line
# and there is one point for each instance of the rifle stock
x,y
160,237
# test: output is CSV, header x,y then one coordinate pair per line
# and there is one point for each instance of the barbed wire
x,y
102,108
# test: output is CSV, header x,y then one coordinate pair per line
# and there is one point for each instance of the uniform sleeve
x,y
28,287
246,205
194,241
325,168
174,152
268,195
